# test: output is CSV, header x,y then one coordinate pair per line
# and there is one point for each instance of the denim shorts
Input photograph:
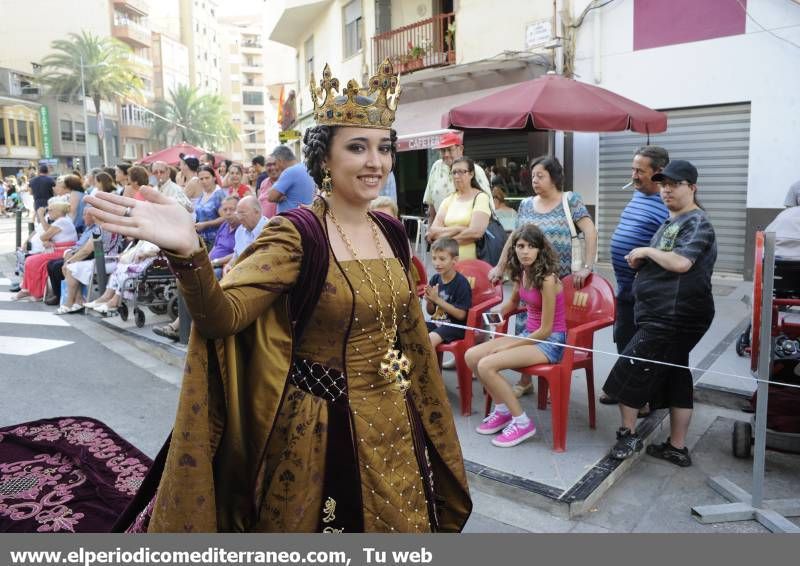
x,y
550,349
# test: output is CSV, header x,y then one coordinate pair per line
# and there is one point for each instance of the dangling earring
x,y
327,184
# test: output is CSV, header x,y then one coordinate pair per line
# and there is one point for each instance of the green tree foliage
x,y
108,72
192,117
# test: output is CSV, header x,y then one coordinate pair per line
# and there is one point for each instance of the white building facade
x,y
728,81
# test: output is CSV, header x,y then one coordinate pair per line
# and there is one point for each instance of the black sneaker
x,y
627,443
666,451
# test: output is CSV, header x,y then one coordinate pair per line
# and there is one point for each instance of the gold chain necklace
x,y
394,364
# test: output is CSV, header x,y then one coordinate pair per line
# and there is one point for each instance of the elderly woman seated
x,y
77,270
58,235
135,259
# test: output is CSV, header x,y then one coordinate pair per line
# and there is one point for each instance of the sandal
x,y
63,309
519,390
105,309
166,331
76,308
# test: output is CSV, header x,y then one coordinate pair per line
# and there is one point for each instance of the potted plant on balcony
x,y
412,60
450,41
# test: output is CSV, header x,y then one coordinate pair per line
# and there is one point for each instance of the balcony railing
x,y
139,6
423,44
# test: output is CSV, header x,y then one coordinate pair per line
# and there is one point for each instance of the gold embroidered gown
x,y
307,437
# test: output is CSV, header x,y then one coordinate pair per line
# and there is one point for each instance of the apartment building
x,y
725,72
21,140
243,84
170,65
22,46
447,53
131,26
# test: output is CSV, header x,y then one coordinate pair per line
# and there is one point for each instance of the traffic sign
x,y
287,135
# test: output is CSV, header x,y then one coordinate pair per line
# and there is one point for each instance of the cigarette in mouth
x,y
628,186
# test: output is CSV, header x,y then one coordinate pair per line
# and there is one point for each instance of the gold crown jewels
x,y
372,106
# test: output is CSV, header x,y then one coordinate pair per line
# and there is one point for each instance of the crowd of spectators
x,y
664,241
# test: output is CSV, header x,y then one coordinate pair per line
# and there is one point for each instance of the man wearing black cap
x,y
673,310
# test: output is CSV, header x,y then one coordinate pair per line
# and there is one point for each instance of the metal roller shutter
x,y
716,139
506,143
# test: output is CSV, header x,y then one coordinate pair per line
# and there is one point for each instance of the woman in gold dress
x,y
311,400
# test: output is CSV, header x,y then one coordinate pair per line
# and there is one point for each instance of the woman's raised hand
x,y
157,219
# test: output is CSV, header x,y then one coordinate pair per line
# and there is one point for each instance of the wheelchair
x,y
783,411
154,288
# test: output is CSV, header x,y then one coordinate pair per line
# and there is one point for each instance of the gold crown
x,y
372,106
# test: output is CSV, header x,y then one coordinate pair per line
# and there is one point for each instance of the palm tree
x,y
192,117
104,62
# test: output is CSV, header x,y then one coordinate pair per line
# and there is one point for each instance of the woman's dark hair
x,y
124,167
208,169
173,173
109,171
553,167
138,175
546,263
473,182
317,142
73,183
227,163
105,182
191,162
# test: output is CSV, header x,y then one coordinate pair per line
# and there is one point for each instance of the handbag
x,y
489,247
577,242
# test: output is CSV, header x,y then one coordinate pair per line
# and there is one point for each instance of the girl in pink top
x,y
534,269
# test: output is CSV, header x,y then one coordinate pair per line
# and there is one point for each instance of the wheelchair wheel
x,y
743,344
122,309
158,309
139,317
742,439
172,308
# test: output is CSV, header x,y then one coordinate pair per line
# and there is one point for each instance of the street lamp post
x,y
86,165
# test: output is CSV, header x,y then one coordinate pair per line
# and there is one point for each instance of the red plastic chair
x,y
485,295
588,310
423,277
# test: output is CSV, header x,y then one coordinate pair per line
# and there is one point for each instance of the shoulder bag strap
x,y
568,213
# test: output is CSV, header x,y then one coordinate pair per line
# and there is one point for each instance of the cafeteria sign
x,y
47,145
424,140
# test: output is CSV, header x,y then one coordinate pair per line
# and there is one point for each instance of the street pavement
x,y
74,366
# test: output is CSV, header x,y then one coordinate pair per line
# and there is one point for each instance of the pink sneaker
x,y
513,434
494,423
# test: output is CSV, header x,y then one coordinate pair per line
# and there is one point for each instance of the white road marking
x,y
18,346
31,317
5,281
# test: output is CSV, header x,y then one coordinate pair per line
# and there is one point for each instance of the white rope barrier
x,y
615,354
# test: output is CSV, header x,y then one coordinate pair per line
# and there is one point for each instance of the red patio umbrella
x,y
554,102
171,155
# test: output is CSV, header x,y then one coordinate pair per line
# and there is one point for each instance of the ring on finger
x,y
127,212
